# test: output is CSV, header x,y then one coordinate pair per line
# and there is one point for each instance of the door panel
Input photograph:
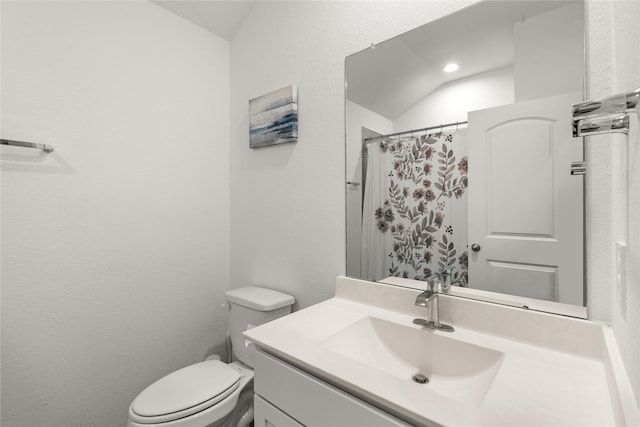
x,y
528,162
527,280
525,208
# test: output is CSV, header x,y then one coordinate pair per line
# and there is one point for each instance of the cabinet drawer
x,y
267,415
311,401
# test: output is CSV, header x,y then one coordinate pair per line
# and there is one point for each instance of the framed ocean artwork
x,y
273,118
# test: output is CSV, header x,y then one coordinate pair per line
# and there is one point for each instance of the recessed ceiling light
x,y
450,68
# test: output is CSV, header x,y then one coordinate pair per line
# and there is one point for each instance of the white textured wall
x,y
625,207
613,181
598,239
114,247
288,201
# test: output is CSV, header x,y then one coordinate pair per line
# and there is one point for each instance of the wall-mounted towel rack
x,y
606,115
44,147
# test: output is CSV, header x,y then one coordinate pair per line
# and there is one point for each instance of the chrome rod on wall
x,y
414,131
606,115
44,147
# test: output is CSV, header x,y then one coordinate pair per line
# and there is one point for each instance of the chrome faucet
x,y
446,279
429,300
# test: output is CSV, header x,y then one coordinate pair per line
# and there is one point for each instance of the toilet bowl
x,y
213,393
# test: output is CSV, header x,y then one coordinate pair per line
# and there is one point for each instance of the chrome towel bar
x,y
606,115
44,147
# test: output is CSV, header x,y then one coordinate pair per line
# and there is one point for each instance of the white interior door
x,y
525,208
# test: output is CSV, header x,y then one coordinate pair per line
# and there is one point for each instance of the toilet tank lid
x,y
260,299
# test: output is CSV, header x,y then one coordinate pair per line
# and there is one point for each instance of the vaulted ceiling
x,y
219,17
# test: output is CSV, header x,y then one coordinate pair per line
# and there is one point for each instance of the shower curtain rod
x,y
367,140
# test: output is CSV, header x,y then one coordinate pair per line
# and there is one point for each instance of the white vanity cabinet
x,y
288,397
267,415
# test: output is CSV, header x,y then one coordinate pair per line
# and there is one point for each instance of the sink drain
x,y
420,379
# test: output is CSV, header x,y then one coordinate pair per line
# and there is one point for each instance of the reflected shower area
x,y
466,169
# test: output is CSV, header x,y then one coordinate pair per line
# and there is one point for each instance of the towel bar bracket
x,y
44,147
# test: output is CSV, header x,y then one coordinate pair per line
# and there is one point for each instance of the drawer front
x,y
312,401
267,415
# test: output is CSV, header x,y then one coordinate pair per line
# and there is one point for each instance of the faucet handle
x,y
448,269
432,281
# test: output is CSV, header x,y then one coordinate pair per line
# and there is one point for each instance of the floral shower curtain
x,y
415,207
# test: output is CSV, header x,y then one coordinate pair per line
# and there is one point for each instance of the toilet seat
x,y
185,392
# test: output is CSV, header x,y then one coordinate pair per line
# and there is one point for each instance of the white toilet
x,y
213,393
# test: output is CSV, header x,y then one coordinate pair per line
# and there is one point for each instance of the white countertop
x,y
543,378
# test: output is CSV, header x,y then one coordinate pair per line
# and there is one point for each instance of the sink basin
x,y
455,369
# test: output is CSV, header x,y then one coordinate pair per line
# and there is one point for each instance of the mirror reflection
x,y
459,152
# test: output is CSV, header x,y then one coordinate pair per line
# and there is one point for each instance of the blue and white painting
x,y
273,118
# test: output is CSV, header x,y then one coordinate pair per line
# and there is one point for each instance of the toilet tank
x,y
251,306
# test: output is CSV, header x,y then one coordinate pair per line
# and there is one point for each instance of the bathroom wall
x,y
115,246
287,204
620,36
627,77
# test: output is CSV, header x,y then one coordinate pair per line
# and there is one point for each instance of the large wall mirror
x,y
459,155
